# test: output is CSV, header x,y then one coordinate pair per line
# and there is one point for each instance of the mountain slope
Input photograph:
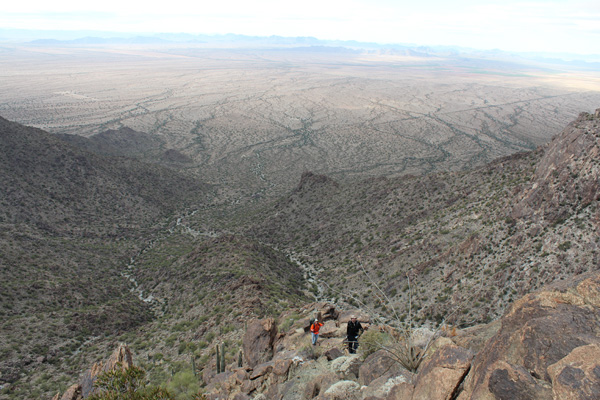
x,y
471,240
75,225
69,223
58,186
128,143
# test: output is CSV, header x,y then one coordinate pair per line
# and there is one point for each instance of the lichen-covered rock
x,y
377,365
347,366
319,385
381,388
577,376
421,337
342,390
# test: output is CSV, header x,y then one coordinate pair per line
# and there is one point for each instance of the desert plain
x,y
253,120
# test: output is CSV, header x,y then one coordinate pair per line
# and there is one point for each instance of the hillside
x,y
69,223
59,187
475,240
126,142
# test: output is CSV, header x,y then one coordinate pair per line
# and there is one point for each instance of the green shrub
x,y
184,385
564,246
371,341
127,384
288,322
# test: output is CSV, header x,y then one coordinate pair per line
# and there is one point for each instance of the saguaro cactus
x,y
222,357
218,361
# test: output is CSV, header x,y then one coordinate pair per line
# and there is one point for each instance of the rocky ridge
x,y
545,346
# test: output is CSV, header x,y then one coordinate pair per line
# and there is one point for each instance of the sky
x,y
545,26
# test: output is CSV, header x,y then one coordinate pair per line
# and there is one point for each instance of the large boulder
x,y
346,366
328,312
329,330
261,370
281,367
534,353
258,341
377,365
577,376
475,337
333,353
442,373
342,390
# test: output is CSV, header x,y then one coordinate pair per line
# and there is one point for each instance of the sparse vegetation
x,y
97,249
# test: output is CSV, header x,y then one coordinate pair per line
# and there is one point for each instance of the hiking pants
x,y
314,338
352,344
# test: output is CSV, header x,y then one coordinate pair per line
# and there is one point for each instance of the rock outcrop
x,y
543,347
120,358
546,346
258,341
567,174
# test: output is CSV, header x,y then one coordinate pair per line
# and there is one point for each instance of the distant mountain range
x,y
91,38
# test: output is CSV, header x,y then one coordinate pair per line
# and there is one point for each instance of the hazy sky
x,y
551,25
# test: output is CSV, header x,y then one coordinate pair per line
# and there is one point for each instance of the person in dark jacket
x,y
353,331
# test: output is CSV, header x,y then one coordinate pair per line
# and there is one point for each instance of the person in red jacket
x,y
314,329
